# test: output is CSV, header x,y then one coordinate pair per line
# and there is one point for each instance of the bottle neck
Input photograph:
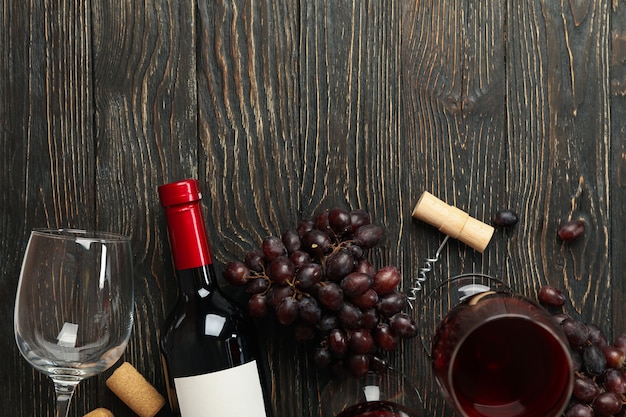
x,y
198,281
187,234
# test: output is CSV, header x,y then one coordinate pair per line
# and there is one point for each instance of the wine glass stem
x,y
64,393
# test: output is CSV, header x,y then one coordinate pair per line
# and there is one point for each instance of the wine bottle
x,y
207,344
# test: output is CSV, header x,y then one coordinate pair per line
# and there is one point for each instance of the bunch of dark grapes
x,y
600,379
318,280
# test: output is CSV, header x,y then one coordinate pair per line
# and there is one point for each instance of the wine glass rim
x,y
72,234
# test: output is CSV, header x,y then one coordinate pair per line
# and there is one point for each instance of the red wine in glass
x,y
499,354
377,409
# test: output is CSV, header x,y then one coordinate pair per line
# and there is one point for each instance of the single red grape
x,y
615,357
580,410
577,333
337,342
300,258
607,404
257,305
615,381
551,296
291,240
339,220
309,310
368,236
273,247
403,325
571,230
386,279
236,273
361,341
321,221
385,338
255,260
594,361
505,218
358,365
392,303
304,226
309,275
339,264
366,300
257,285
585,389
281,270
331,296
358,218
355,284
287,311
316,242
350,316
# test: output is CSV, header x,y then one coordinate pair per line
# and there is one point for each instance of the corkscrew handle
x,y
453,222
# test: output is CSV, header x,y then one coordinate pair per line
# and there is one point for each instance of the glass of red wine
x,y
377,394
496,353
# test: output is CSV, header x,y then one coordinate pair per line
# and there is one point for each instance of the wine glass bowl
x,y
497,353
74,305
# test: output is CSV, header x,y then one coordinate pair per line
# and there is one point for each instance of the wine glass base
x,y
387,389
448,294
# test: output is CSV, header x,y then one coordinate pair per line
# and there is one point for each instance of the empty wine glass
x,y
74,305
380,394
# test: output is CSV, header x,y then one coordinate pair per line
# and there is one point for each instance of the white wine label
x,y
233,392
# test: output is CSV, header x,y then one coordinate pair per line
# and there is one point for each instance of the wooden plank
x,y
48,153
146,135
14,129
559,141
351,139
249,160
453,116
617,161
290,98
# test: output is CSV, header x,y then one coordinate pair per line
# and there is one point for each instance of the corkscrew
x,y
454,223
423,271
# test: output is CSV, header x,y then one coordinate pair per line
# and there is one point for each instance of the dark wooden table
x,y
282,108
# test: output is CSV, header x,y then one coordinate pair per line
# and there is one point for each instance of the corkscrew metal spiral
x,y
423,271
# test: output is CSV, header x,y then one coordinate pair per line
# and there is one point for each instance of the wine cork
x,y
453,222
99,412
133,389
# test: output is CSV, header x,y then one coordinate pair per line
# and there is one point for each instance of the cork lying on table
x,y
133,389
453,222
99,412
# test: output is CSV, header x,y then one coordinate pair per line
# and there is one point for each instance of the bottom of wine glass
x,y
68,372
390,387
53,360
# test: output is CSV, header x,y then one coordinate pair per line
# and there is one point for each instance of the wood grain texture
x,y
617,161
284,108
559,136
146,134
454,113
